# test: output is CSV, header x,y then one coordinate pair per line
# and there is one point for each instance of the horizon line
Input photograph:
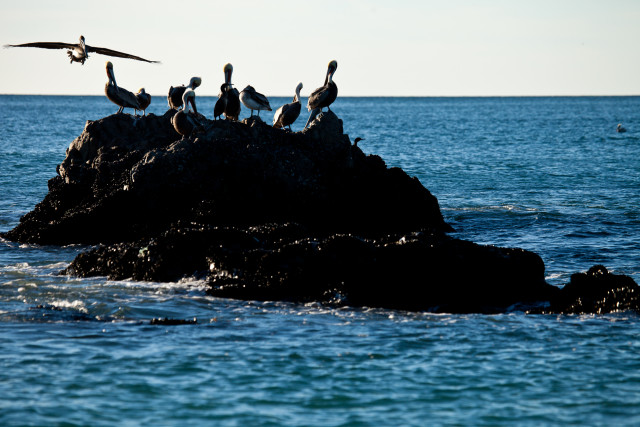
x,y
372,96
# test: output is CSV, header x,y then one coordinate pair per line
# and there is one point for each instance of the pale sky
x,y
383,48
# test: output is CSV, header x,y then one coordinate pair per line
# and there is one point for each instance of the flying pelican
x,y
288,113
80,52
184,122
174,98
118,95
254,100
323,96
144,99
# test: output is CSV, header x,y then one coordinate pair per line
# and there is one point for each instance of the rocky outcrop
x,y
597,291
126,178
423,270
266,214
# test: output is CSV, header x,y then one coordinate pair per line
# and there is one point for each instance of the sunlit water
x,y
546,174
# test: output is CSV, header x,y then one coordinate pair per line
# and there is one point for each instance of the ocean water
x,y
546,174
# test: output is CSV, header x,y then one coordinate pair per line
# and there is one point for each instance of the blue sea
x,y
548,174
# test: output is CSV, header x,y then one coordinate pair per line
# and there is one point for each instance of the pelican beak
x,y
112,77
227,76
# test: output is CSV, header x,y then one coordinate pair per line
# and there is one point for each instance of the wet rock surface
x,y
596,292
423,270
266,214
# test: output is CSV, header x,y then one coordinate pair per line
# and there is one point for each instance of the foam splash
x,y
76,305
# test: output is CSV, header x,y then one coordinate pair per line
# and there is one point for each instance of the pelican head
x,y
331,68
110,74
228,70
195,82
189,96
141,90
298,89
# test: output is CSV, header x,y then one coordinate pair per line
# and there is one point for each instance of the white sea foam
x,y
75,305
553,276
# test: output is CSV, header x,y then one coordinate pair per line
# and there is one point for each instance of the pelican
x,y
221,103
620,128
254,100
80,52
323,96
232,107
288,113
184,122
118,95
144,99
174,98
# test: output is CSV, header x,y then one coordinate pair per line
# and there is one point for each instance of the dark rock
x,y
127,178
597,292
424,270
89,201
417,271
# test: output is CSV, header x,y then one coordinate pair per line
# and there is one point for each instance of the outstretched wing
x,y
45,45
111,52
